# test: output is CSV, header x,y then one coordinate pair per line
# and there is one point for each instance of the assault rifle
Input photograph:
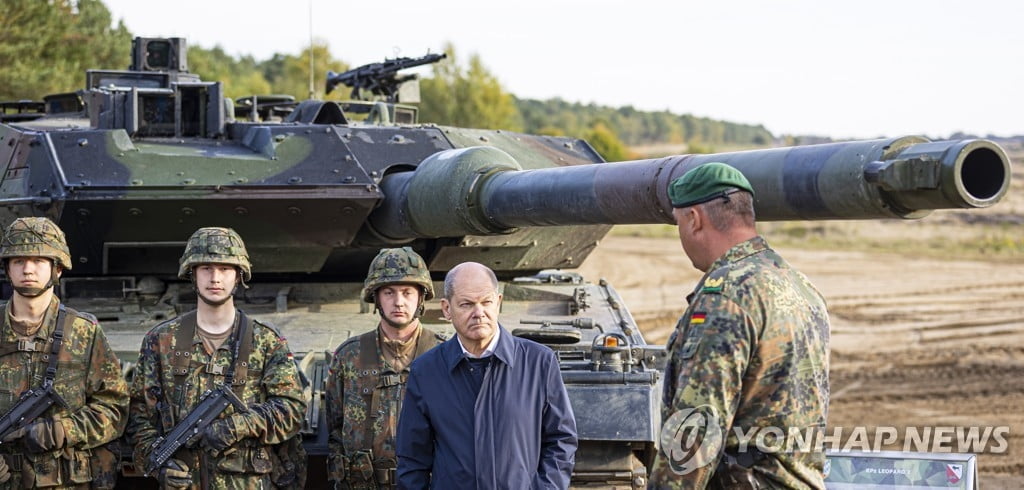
x,y
210,406
30,406
380,78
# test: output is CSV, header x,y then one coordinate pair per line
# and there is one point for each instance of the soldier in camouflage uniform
x,y
367,377
184,357
749,353
57,449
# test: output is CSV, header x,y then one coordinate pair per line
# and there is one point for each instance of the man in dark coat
x,y
484,409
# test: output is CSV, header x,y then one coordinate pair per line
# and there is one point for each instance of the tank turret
x,y
145,157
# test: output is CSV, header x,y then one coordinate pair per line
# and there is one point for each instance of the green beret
x,y
706,182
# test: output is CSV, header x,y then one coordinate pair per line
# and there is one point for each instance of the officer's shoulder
x,y
270,327
83,316
165,326
752,274
267,334
348,345
353,344
717,281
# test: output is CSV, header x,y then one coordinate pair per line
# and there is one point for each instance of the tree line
x,y
46,46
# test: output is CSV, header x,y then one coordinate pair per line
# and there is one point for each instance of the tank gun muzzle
x,y
484,191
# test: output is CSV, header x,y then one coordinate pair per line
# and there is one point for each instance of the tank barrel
x,y
891,178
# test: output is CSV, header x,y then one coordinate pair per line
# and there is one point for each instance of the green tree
x,y
46,46
438,92
635,127
606,143
241,77
289,74
471,97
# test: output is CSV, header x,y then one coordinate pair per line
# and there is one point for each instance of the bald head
x,y
468,272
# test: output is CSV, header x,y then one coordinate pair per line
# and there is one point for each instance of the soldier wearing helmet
x,y
218,345
367,376
44,343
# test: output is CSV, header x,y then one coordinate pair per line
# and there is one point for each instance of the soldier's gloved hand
x,y
40,436
5,472
175,474
221,435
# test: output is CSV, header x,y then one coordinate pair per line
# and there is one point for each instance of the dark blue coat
x,y
519,433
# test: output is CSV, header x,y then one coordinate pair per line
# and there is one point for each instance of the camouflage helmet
x,y
397,266
215,246
35,237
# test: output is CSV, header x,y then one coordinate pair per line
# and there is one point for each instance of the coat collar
x,y
504,351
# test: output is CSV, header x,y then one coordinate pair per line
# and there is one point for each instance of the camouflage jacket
x,y
271,388
364,398
88,378
750,352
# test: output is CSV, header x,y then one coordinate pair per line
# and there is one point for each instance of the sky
x,y
850,69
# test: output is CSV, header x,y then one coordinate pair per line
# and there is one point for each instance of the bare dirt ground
x,y
918,339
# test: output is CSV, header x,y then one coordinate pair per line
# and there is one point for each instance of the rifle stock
x,y
210,406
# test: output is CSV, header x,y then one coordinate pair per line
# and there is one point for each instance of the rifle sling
x,y
370,363
378,374
242,349
56,342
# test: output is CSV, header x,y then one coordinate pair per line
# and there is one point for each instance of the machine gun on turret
x,y
380,78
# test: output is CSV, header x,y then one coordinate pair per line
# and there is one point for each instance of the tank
x,y
139,159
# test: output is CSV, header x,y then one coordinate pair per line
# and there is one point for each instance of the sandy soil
x,y
915,342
